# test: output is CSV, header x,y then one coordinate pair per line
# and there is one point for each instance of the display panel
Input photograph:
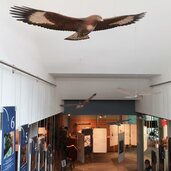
x,y
127,133
133,134
121,146
113,135
88,140
8,157
23,148
99,140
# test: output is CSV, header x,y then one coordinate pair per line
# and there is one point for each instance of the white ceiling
x,y
142,48
130,53
105,88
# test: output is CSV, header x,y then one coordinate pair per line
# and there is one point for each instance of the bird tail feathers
x,y
75,36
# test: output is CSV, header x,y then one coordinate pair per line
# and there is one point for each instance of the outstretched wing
x,y
118,21
46,19
86,101
69,105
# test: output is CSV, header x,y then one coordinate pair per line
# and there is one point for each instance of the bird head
x,y
99,18
95,18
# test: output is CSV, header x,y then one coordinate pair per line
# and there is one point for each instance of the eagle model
x,y
81,26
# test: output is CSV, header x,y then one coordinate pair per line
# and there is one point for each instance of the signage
x,y
23,148
8,156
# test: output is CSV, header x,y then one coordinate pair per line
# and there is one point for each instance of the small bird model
x,y
80,104
81,26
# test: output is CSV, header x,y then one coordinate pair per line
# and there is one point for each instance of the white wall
x,y
158,104
35,100
144,105
18,47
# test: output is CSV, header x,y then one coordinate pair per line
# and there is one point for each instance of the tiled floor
x,y
108,162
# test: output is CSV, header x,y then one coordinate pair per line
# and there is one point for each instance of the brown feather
x,y
118,21
82,26
46,19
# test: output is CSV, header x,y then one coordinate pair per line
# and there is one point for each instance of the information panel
x,y
99,140
113,135
133,134
8,157
23,148
88,139
121,146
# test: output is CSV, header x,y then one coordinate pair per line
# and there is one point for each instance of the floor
x,y
108,162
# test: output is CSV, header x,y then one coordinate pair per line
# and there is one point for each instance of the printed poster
x,y
88,139
8,155
133,134
34,153
127,134
121,147
99,140
113,135
23,148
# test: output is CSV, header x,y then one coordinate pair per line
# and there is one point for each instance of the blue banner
x,y
23,141
8,155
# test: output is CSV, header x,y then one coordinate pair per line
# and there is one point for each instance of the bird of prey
x,y
80,104
81,26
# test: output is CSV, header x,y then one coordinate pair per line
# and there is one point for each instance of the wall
x,y
19,47
144,105
158,103
105,107
34,99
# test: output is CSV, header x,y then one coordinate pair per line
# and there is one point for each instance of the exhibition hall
x,y
85,85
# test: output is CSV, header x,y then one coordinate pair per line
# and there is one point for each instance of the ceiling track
x,y
27,73
159,84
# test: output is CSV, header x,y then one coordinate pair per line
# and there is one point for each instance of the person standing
x,y
147,165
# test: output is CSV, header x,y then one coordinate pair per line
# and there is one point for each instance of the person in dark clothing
x,y
62,142
72,154
147,165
